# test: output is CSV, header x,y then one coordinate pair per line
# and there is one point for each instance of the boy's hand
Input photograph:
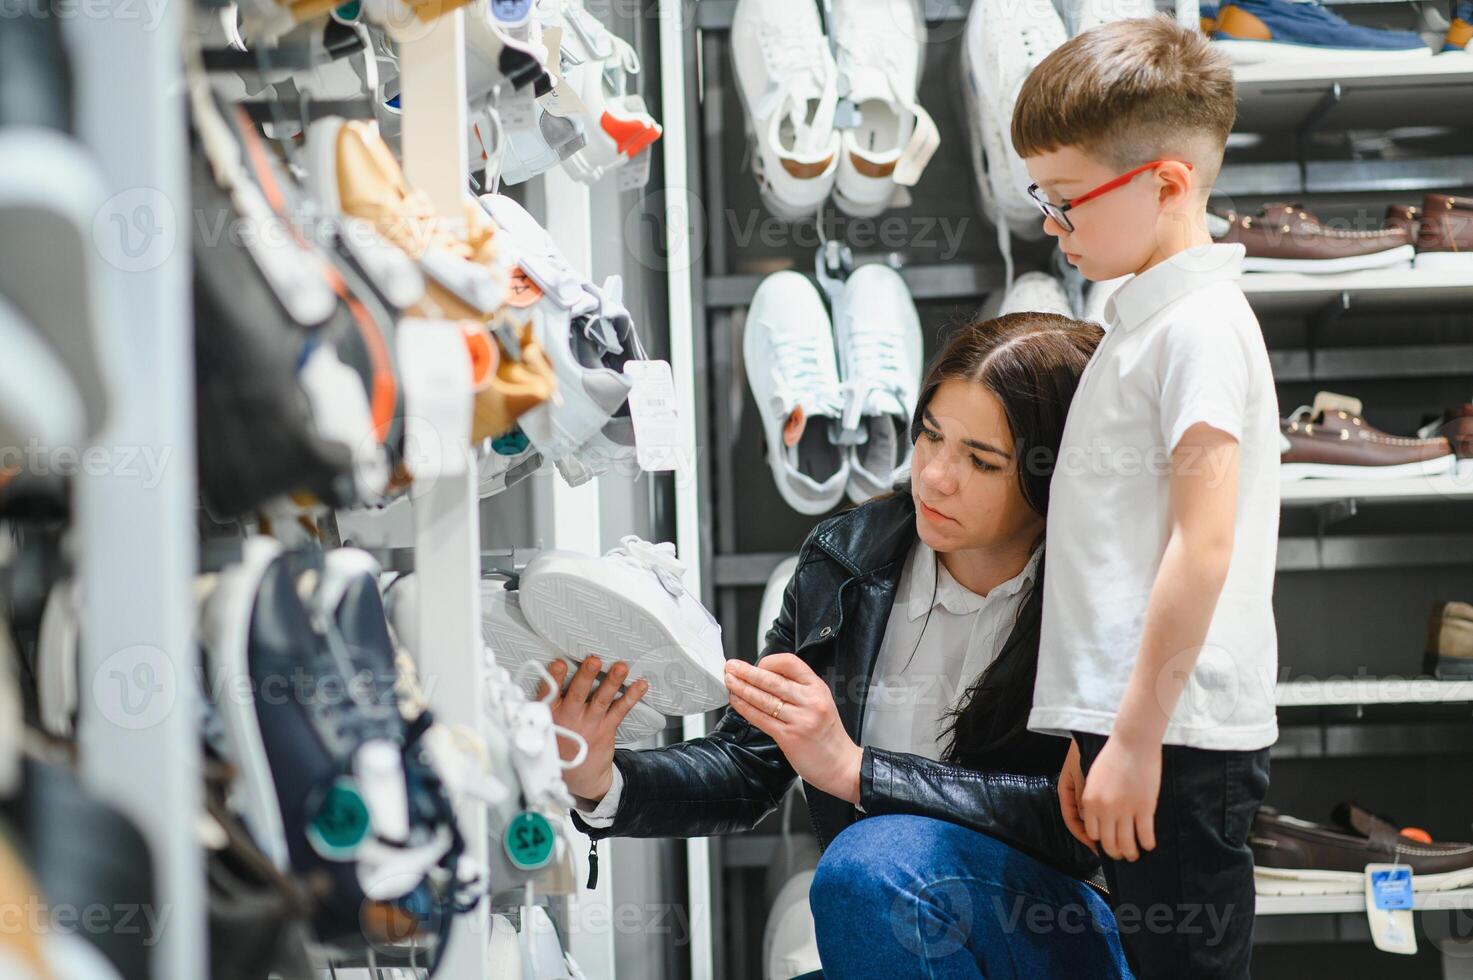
x,y
1071,797
1120,798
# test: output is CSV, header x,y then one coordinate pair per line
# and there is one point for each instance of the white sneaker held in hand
x,y
630,605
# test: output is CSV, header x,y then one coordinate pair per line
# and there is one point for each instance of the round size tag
x,y
341,823
528,840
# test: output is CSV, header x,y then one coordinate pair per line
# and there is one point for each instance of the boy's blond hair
x,y
1128,92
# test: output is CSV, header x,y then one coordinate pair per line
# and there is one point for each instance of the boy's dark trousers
x,y
1185,909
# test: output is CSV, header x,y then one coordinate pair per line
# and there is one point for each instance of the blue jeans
x,y
901,896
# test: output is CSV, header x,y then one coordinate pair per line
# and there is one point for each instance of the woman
x,y
934,804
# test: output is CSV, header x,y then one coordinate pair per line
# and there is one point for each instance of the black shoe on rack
x,y
258,437
86,855
319,747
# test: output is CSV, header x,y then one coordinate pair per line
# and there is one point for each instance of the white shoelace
x,y
802,70
798,364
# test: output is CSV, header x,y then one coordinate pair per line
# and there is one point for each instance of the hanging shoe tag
x,y
517,108
1389,900
529,840
341,822
635,174
653,409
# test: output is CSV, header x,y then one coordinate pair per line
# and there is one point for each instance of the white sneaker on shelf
x,y
790,941
506,461
793,372
880,359
772,599
506,950
542,950
881,51
616,122
514,643
787,81
1035,292
585,330
1003,43
1081,15
630,605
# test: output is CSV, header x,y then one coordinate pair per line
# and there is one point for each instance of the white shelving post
x,y
139,712
673,16
569,517
447,536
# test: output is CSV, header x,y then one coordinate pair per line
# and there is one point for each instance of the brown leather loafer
x,y
1405,217
1445,234
1331,441
1287,238
1296,857
1456,424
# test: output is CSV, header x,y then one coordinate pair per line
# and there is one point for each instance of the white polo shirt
x,y
1183,347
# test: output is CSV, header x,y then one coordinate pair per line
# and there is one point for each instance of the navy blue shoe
x,y
1296,30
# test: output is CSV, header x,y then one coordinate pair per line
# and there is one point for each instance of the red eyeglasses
x,y
1056,211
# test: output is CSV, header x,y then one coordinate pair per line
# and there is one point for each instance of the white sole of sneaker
x,y
1259,52
513,649
586,619
227,630
1290,472
1443,260
1401,256
1278,881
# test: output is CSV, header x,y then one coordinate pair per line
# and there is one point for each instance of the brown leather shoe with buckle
x,y
1296,857
1287,238
1450,642
1330,440
1445,236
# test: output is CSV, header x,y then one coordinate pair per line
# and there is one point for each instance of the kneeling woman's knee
x,y
870,860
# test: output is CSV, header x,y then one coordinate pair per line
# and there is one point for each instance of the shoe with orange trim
x,y
1459,37
1252,31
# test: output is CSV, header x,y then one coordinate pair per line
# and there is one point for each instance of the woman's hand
x,y
593,709
782,696
1071,797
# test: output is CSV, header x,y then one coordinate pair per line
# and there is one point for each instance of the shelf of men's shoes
x,y
716,15
1328,904
1271,293
1351,691
1371,94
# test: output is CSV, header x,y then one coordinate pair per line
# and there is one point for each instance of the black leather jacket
x,y
834,616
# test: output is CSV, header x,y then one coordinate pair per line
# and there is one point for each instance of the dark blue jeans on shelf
x,y
900,896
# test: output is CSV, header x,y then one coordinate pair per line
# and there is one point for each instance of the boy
x,y
1158,650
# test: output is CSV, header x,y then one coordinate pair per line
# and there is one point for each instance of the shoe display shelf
x,y
744,539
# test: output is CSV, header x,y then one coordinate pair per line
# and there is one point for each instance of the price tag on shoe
x,y
1389,898
653,409
517,109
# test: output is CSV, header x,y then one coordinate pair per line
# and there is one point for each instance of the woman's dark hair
x,y
1031,362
